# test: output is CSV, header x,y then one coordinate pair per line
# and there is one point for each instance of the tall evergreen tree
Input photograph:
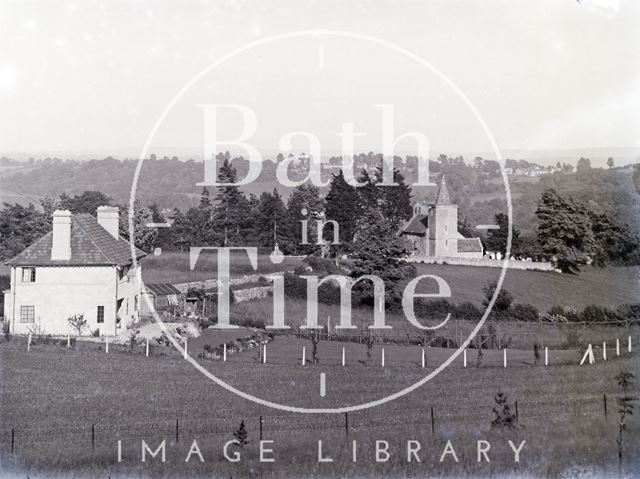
x,y
231,210
270,222
305,198
342,207
497,239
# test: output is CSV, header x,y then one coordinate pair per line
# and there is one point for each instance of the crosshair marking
x,y
487,227
158,225
323,385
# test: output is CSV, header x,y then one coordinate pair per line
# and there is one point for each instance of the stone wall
x,y
487,262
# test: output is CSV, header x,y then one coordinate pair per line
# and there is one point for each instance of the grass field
x,y
606,287
52,396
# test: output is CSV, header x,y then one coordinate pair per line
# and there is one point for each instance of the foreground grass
x,y
52,396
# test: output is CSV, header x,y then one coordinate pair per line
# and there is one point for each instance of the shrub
x,y
524,312
629,312
599,314
468,311
95,333
6,331
503,301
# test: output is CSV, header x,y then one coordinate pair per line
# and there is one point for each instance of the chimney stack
x,y
109,219
61,243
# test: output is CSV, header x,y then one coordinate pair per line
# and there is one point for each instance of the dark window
x,y
101,314
27,314
28,275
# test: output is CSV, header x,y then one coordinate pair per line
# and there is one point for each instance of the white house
x,y
82,266
433,230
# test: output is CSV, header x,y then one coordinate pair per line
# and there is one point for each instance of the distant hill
x,y
173,183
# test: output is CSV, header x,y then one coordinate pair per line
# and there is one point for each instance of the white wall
x,y
60,292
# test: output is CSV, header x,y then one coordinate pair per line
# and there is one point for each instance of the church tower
x,y
443,224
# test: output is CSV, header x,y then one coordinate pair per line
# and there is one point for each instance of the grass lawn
x,y
52,396
173,267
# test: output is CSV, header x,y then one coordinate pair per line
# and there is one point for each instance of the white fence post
x,y
424,358
106,343
146,349
604,350
464,358
629,344
224,352
186,345
504,357
617,346
588,354
546,356
344,357
29,343
68,340
382,358
304,355
264,354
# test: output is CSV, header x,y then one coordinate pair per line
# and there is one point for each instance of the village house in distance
x,y
433,230
82,266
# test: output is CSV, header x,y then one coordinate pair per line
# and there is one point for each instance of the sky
x,y
96,75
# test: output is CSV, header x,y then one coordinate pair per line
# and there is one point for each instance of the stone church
x,y
433,230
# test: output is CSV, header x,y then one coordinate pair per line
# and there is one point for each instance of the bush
x,y
6,331
599,314
629,312
503,301
467,311
95,333
525,312
436,309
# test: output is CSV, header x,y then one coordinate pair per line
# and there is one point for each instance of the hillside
x,y
173,183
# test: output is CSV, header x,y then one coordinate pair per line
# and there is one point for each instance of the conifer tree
x,y
241,435
342,207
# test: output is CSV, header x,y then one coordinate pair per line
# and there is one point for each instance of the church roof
x,y
91,245
442,197
416,226
469,245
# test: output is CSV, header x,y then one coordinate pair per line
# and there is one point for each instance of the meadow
x,y
51,397
610,286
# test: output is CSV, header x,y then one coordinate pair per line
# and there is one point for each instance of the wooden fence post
x,y
304,355
382,358
68,341
224,352
106,343
604,350
13,439
177,431
433,422
464,358
617,346
346,423
261,428
504,357
424,359
517,415
29,343
264,354
344,357
146,352
93,437
604,403
629,343
185,348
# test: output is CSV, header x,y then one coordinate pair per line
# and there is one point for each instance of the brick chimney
x,y
61,243
109,219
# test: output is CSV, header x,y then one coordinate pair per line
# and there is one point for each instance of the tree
x,y
503,301
615,243
270,222
241,435
86,202
497,238
379,251
304,204
20,226
205,201
77,322
143,236
231,210
503,417
583,167
610,162
564,231
342,207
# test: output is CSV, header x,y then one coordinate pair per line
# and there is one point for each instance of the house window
x,y
27,314
101,314
28,275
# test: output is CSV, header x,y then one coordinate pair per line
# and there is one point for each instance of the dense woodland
x,y
572,218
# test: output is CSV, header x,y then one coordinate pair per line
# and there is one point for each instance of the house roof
x,y
469,245
416,226
91,245
162,289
